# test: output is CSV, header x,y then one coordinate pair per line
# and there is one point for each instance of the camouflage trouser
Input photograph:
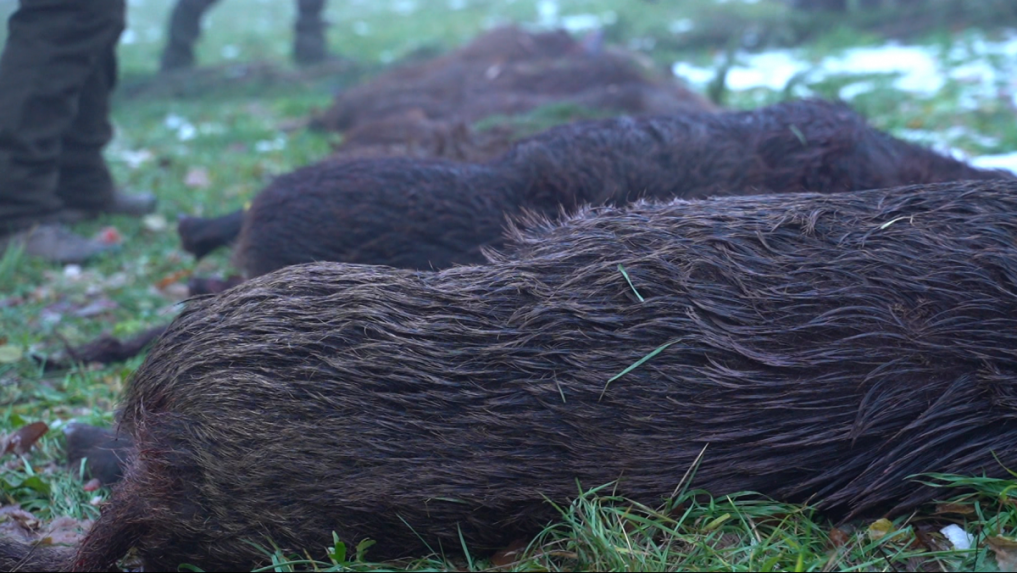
x,y
56,73
309,44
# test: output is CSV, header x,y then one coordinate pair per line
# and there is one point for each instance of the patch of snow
x,y
919,68
853,90
186,132
547,13
983,69
772,69
695,75
580,22
680,26
1006,161
267,145
405,7
133,158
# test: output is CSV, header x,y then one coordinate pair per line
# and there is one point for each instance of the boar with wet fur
x,y
424,214
820,347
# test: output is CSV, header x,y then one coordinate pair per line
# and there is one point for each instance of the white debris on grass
x,y
771,69
1004,161
960,539
855,89
185,130
680,26
230,52
133,157
695,75
548,16
983,69
404,7
266,145
917,67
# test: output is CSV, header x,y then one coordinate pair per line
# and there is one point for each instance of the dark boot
x,y
184,30
309,43
54,48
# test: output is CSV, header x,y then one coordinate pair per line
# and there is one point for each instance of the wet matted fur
x,y
431,214
824,347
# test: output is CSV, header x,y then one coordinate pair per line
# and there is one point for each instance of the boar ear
x,y
22,439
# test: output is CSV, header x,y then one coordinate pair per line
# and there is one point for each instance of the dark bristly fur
x,y
16,556
826,347
425,214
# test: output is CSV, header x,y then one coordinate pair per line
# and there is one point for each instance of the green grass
x,y
234,121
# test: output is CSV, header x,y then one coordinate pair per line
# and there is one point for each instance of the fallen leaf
x,y
174,277
10,354
96,307
198,178
16,522
509,554
65,531
175,292
838,538
955,508
109,236
1005,550
880,528
22,439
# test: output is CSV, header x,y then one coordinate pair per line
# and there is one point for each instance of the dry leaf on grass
x,y
65,531
838,538
26,528
955,508
17,523
22,439
10,354
1005,550
109,236
880,528
173,277
198,178
510,554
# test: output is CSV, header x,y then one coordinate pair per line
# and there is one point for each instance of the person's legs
x,y
53,47
184,30
85,181
309,43
55,75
